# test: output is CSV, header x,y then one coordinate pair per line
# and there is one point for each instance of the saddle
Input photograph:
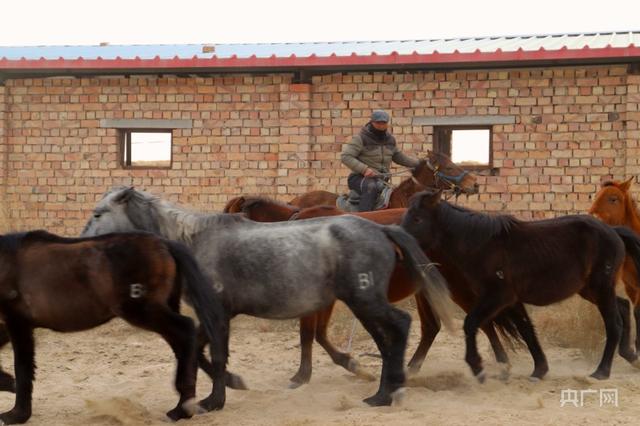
x,y
350,202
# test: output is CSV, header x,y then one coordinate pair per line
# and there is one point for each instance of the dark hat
x,y
380,115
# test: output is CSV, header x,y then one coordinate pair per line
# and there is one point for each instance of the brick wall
x,y
3,141
265,134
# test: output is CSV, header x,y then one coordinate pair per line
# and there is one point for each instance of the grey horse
x,y
291,269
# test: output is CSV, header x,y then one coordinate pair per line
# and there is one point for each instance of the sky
x,y
89,22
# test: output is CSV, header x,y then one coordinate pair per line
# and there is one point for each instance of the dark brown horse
x,y
614,205
400,287
508,262
66,284
436,171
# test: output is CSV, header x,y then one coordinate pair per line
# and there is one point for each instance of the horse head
x,y
123,209
438,171
234,205
419,217
613,204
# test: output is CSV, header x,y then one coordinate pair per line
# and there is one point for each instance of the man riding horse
x,y
369,155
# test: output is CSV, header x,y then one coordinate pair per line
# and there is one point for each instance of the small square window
x,y
146,148
468,146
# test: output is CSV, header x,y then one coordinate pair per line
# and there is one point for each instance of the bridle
x,y
453,181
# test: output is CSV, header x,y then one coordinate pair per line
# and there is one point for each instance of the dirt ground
x,y
119,375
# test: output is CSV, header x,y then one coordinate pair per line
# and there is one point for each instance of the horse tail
x,y
205,302
507,329
631,244
433,284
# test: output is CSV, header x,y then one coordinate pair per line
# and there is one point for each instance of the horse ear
x,y
430,198
626,184
124,195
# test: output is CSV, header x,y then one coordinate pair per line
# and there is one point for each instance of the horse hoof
x,y
534,379
178,413
378,400
360,372
236,382
13,417
505,371
600,376
211,403
190,406
481,376
636,363
397,396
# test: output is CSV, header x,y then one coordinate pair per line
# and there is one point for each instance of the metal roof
x,y
414,53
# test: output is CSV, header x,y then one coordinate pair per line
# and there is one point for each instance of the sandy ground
x,y
116,374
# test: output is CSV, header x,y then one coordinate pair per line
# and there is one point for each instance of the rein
x,y
452,181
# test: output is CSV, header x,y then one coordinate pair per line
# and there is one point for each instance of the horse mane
x,y
251,201
153,214
475,227
9,243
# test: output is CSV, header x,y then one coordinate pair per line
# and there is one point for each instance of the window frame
x,y
124,146
442,143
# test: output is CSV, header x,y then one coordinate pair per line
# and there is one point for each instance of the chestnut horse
x,y
614,205
400,287
436,171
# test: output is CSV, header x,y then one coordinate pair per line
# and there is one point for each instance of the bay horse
x,y
74,284
263,209
435,171
292,269
614,205
509,262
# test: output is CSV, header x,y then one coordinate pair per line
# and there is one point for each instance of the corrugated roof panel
x,y
326,54
266,50
105,52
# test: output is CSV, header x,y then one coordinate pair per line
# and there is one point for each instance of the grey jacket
x,y
367,150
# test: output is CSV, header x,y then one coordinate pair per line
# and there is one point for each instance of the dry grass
x,y
574,323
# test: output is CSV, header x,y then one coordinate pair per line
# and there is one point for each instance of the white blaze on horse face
x,y
365,280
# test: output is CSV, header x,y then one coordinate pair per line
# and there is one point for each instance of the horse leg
x,y
7,383
216,399
24,360
625,350
631,286
307,332
498,350
636,314
340,358
518,314
233,381
605,299
487,308
389,328
429,327
180,333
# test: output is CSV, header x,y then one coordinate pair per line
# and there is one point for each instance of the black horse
x,y
509,262
73,284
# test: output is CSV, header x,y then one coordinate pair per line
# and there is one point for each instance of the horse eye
x,y
417,219
96,215
613,200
